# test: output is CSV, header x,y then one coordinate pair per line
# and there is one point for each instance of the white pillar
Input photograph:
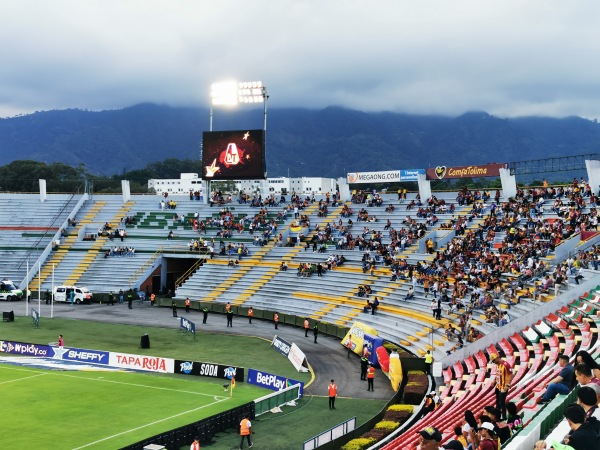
x,y
42,190
509,183
344,188
126,190
424,187
593,173
205,191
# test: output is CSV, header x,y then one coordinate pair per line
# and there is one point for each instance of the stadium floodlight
x,y
232,93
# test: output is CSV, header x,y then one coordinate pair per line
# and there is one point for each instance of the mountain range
x,y
300,142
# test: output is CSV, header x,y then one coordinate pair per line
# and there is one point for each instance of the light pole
x,y
232,93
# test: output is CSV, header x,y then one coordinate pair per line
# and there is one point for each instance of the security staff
x,y
316,332
187,305
205,313
250,314
196,444
306,324
245,431
229,317
332,392
130,300
152,299
111,298
370,377
428,362
349,345
276,319
364,365
174,306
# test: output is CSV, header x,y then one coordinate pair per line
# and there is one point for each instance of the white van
x,y
9,292
79,294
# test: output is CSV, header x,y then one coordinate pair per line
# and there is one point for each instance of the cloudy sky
x,y
507,57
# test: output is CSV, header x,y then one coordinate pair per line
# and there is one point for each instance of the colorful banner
x,y
395,370
372,344
476,171
389,176
203,369
62,353
358,332
271,381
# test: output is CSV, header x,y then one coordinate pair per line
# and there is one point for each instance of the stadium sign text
x,y
389,176
281,345
484,170
140,362
204,369
271,381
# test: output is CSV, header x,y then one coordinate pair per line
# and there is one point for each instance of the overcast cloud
x,y
507,57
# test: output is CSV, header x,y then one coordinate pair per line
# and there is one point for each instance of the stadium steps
x,y
96,247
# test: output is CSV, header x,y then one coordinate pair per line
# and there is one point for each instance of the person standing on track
x,y
205,314
364,365
196,444
332,392
187,305
245,431
250,315
370,378
349,345
174,306
276,319
316,332
229,316
306,326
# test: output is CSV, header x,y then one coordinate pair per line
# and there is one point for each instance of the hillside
x,y
328,142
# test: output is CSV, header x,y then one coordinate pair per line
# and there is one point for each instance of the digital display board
x,y
233,155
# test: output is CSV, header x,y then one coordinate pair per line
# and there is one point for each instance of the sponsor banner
x,y
281,345
388,176
62,353
411,174
271,381
187,325
141,362
479,171
298,358
372,343
21,348
80,355
203,369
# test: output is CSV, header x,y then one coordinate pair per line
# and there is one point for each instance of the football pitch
x,y
103,409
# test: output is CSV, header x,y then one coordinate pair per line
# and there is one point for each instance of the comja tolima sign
x,y
475,171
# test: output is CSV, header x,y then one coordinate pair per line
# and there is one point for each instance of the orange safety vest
x,y
250,313
195,445
187,302
152,297
245,427
306,324
276,317
349,344
371,372
332,390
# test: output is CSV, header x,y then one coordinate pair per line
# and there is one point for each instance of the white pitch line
x,y
62,374
24,378
148,425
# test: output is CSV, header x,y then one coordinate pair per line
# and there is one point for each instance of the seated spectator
x,y
410,294
562,383
584,357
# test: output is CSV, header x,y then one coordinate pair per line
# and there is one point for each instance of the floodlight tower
x,y
232,93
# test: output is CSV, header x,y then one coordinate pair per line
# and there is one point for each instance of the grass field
x,y
103,410
107,410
